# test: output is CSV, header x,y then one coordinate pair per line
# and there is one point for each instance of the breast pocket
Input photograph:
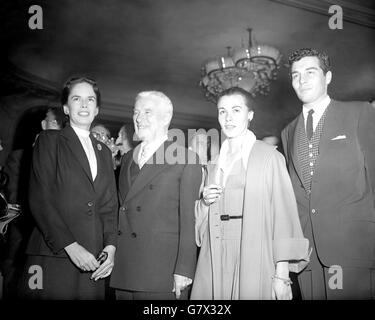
x,y
345,159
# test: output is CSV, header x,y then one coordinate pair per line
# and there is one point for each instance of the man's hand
x,y
180,283
83,259
106,268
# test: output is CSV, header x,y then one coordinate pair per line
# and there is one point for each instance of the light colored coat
x,y
271,230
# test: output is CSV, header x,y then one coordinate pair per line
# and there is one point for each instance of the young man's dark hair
x,y
297,55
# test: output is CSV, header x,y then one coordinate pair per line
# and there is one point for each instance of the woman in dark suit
x,y
73,200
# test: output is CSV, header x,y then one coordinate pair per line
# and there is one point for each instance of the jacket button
x,y
122,209
90,203
139,208
89,213
119,232
134,235
313,211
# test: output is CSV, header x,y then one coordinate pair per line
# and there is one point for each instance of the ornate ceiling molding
x,y
21,82
15,81
353,12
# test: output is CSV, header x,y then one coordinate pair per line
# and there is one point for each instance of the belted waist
x,y
226,217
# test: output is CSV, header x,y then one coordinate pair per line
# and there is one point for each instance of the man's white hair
x,y
164,100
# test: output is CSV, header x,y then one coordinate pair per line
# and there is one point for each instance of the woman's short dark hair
x,y
75,80
324,61
249,102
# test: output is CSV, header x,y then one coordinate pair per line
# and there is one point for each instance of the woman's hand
x,y
106,267
211,193
281,290
83,259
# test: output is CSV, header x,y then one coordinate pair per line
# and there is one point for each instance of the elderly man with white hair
x,y
156,252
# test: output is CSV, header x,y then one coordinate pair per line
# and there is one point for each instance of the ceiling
x,y
135,45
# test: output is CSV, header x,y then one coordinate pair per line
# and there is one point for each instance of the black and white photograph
x,y
187,154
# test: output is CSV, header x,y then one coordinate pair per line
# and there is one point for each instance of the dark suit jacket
x,y
156,223
341,205
66,203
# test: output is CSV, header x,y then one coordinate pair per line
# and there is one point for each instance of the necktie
x,y
309,125
143,157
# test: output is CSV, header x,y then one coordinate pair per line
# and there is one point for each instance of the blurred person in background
x,y
123,144
17,168
124,140
101,132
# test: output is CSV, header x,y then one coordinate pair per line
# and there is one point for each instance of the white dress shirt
x,y
146,150
84,138
248,140
318,111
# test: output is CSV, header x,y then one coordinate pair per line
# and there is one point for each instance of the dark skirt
x,y
61,280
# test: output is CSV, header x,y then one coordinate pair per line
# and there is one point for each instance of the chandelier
x,y
250,68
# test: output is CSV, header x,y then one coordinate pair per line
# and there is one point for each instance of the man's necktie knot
x,y
309,125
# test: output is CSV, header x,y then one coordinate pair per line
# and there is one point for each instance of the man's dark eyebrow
x,y
309,68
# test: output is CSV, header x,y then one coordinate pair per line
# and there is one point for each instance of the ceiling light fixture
x,y
251,68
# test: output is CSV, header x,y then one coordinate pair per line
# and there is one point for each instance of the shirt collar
x,y
80,132
153,145
318,108
248,140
